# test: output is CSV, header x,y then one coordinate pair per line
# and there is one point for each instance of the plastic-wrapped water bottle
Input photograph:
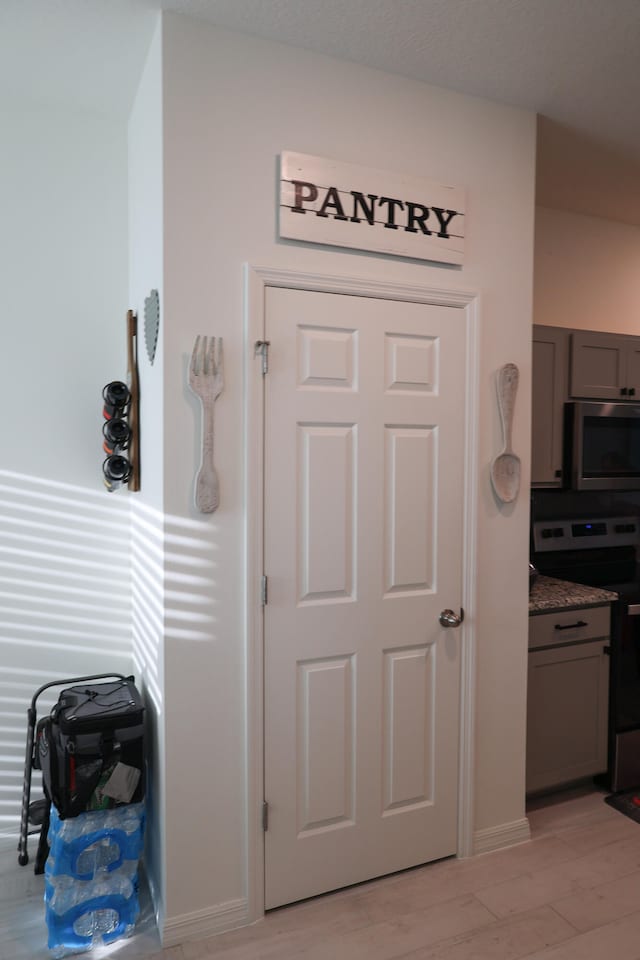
x,y
66,895
80,914
87,928
127,818
96,922
56,882
99,839
97,856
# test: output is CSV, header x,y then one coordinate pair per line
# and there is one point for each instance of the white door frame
x,y
257,279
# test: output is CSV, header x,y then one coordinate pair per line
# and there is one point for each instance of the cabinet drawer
x,y
569,626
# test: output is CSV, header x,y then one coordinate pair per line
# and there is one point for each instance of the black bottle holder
x,y
117,436
116,468
120,430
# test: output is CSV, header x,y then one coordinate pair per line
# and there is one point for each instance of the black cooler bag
x,y
94,733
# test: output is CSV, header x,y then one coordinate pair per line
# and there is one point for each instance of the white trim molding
x,y
466,757
205,923
260,277
504,835
257,279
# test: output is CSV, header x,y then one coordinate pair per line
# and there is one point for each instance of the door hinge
x,y
265,816
262,349
263,590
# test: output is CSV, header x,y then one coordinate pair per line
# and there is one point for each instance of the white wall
x,y
148,522
63,196
146,239
232,104
587,272
65,594
576,173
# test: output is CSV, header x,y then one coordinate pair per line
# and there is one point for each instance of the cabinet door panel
x,y
633,368
567,703
598,368
549,391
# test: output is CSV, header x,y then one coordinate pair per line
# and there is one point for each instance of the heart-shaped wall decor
x,y
151,323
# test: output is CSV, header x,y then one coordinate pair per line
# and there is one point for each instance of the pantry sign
x,y
323,201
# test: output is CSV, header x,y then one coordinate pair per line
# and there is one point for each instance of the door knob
x,y
450,619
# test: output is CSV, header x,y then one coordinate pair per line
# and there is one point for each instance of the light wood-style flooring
x,y
571,893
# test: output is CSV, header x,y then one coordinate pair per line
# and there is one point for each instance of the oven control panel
x,y
583,534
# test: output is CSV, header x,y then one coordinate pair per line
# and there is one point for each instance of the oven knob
x,y
558,532
546,533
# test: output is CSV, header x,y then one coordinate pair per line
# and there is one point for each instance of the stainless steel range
x,y
604,552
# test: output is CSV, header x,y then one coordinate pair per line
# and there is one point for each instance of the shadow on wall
x,y
172,573
89,583
65,605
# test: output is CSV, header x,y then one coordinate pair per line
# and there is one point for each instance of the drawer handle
x,y
571,626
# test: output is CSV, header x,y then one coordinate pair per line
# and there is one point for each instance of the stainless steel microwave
x,y
603,445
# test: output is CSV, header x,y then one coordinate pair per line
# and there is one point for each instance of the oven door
x,y
624,735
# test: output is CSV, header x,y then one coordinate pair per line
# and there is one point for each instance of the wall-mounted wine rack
x,y
121,427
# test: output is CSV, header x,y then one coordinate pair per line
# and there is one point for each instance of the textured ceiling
x,y
574,62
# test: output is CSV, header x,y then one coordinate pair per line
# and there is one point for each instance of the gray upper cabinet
x,y
633,367
604,366
550,365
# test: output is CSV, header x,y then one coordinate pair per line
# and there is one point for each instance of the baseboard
x,y
205,923
504,835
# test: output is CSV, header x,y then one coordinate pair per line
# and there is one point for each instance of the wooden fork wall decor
x,y
206,380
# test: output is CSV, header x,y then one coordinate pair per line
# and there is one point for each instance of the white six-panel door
x,y
364,444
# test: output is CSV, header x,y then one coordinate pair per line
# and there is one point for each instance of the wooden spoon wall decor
x,y
505,469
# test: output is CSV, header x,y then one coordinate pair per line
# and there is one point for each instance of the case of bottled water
x,y
91,878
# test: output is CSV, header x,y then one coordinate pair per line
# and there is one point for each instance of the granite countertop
x,y
548,593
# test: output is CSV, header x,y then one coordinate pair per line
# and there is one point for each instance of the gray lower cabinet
x,y
549,375
568,696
